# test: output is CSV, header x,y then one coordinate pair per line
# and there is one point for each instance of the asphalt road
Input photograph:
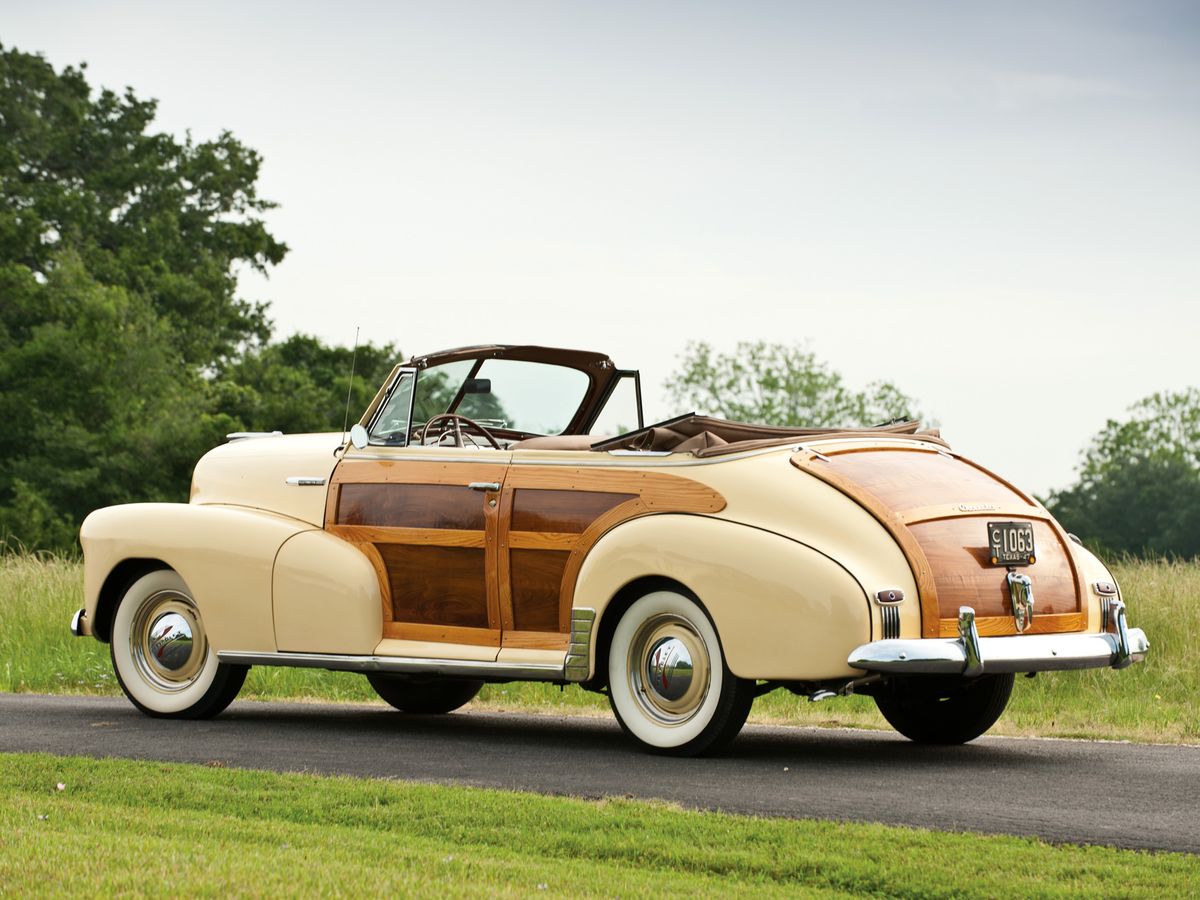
x,y
1128,795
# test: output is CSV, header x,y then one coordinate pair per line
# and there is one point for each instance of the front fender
x,y
225,554
782,610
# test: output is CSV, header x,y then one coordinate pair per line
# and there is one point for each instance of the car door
x,y
429,527
427,519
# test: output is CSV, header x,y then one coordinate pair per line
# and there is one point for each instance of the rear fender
x,y
781,609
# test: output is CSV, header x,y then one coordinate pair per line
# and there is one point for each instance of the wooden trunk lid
x,y
937,506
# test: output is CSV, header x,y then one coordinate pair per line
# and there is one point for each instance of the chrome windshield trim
x,y
401,665
1018,653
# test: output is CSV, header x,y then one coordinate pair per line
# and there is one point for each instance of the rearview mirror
x,y
358,436
478,386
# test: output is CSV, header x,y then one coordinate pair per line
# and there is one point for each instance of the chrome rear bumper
x,y
970,655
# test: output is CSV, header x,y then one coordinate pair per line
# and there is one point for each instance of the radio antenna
x,y
350,388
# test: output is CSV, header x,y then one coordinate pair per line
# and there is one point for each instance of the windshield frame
x,y
603,377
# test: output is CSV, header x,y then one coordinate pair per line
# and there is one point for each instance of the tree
x,y
119,253
299,385
1138,489
779,384
168,221
97,410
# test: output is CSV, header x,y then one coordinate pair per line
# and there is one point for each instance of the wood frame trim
x,y
536,640
452,634
542,540
995,626
426,537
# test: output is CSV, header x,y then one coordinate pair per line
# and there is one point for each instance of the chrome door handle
x,y
484,485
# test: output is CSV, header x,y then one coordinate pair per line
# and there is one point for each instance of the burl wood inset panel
x,y
411,506
437,585
957,551
908,479
568,512
536,588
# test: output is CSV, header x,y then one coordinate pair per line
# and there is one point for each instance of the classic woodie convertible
x,y
502,513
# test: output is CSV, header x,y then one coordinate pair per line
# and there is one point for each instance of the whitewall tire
x,y
161,654
667,679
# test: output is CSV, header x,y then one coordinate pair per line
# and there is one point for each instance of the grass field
x,y
1152,701
216,832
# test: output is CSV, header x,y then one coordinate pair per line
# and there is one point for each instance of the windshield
x,y
518,395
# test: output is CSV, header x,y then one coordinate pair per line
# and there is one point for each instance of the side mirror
x,y
359,437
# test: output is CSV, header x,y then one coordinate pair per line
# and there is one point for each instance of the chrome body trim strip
x,y
1019,653
305,480
579,651
457,668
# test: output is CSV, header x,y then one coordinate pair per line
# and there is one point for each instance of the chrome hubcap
x,y
167,641
171,641
669,669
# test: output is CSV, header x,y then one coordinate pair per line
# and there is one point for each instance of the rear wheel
x,y
937,710
667,679
161,654
428,696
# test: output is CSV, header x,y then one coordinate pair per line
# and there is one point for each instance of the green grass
x,y
1153,701
119,826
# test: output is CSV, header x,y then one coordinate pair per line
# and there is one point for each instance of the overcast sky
x,y
995,206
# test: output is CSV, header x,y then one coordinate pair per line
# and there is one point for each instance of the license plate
x,y
1011,543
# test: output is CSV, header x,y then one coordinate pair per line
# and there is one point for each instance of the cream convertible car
x,y
476,527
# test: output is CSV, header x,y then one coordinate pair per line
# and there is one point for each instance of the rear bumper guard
x,y
970,655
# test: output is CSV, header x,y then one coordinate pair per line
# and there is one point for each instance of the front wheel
x,y
667,679
940,710
161,654
429,696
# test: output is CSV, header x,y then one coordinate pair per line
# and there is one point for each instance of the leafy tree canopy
x,y
125,352
1138,489
300,384
168,221
779,384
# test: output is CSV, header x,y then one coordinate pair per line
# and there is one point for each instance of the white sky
x,y
995,206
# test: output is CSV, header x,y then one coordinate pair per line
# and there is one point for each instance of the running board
x,y
450,668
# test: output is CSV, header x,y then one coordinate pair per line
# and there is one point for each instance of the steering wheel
x,y
445,420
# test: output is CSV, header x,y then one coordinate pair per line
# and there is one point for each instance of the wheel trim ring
x,y
164,678
652,634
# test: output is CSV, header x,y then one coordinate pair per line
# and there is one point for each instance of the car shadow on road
x,y
538,733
